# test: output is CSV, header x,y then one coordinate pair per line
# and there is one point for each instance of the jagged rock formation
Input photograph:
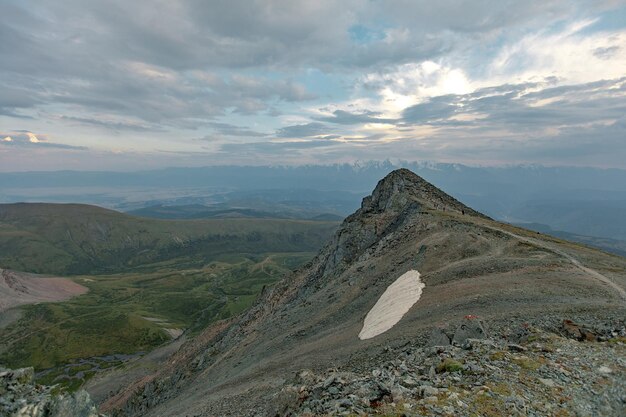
x,y
470,264
21,397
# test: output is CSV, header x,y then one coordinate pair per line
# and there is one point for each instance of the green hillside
x,y
131,312
147,278
75,239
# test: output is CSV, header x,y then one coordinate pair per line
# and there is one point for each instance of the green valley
x,y
149,280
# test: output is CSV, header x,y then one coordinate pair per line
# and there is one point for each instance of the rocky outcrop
x,y
393,204
472,327
545,374
21,397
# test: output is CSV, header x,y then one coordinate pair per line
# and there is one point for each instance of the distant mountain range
x,y
585,201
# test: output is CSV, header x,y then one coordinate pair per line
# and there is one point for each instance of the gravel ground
x,y
529,372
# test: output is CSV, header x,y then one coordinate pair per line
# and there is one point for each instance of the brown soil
x,y
19,288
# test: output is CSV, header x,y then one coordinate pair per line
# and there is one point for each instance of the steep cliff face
x,y
469,265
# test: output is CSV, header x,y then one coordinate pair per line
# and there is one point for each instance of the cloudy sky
x,y
140,84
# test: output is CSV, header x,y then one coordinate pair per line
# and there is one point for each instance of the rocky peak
x,y
403,187
394,204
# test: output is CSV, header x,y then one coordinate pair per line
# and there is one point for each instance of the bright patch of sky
x,y
100,84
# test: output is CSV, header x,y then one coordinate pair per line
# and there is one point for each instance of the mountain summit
x,y
410,260
402,188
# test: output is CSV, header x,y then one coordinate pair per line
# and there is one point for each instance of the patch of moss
x,y
527,363
500,389
449,365
486,406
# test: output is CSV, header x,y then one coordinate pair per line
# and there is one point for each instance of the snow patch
x,y
397,299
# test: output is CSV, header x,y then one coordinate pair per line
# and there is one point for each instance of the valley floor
x,y
125,315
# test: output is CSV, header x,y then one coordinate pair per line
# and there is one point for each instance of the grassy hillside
x,y
148,280
80,239
132,312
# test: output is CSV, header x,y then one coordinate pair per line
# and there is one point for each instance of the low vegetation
x,y
148,280
126,314
73,239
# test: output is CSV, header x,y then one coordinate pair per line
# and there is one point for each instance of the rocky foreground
x,y
571,371
21,397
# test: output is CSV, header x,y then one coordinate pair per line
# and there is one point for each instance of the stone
x,y
431,400
427,391
329,381
578,332
516,348
471,328
409,382
438,337
22,397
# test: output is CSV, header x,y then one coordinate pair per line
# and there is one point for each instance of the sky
x,y
129,85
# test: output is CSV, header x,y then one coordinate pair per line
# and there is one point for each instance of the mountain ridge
x,y
470,264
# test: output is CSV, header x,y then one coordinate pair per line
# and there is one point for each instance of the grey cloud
x,y
13,101
65,66
276,148
511,106
303,131
187,63
228,129
279,36
21,139
112,124
346,118
276,34
435,109
606,53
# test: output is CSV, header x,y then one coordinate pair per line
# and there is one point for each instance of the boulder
x,y
472,327
439,337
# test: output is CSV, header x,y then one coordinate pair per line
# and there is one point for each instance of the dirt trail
x,y
591,272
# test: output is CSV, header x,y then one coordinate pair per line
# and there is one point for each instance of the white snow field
x,y
397,299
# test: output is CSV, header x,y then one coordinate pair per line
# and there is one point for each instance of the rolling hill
x,y
83,239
